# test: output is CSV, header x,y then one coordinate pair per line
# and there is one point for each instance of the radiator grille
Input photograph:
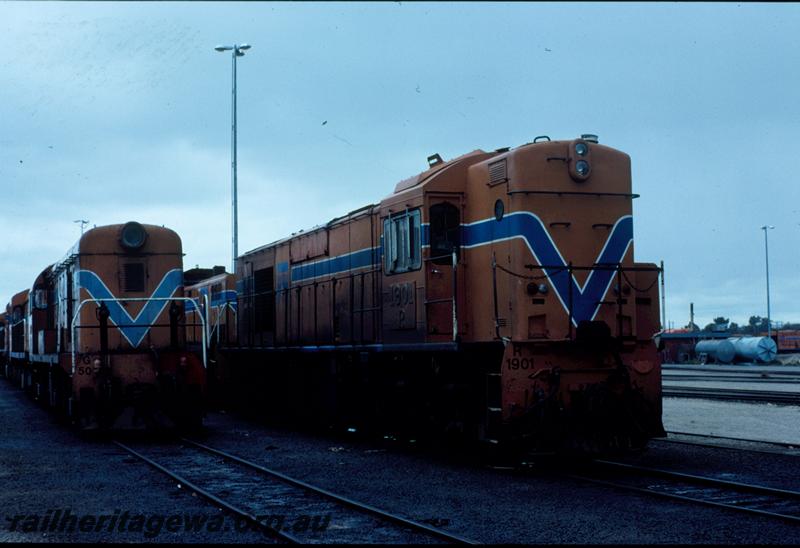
x,y
133,277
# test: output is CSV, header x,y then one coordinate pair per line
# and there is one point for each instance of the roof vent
x,y
434,160
498,172
589,137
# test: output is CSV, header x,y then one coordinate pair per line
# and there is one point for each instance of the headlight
x,y
543,289
133,235
580,160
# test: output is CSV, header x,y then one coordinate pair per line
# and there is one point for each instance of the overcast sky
x,y
121,111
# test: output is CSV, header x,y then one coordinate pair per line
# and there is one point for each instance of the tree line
x,y
756,324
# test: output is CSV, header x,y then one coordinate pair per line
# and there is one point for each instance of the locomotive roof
x,y
405,184
210,280
42,275
400,187
20,297
352,215
93,233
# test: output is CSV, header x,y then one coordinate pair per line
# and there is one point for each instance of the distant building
x,y
788,340
679,343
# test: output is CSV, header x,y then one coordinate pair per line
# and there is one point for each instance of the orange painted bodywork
x,y
16,312
532,356
116,372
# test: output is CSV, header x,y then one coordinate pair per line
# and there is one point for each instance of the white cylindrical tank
x,y
757,349
722,350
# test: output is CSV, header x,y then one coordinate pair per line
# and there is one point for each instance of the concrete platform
x,y
757,421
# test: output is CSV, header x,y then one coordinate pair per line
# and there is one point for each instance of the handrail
x,y
618,268
455,296
116,299
573,193
596,266
209,329
222,307
205,321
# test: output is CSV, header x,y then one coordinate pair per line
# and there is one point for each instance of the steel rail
x,y
745,369
731,394
755,379
778,443
337,498
783,453
211,497
690,478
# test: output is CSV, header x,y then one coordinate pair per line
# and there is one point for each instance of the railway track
x,y
259,496
741,497
713,436
773,371
764,446
754,379
732,394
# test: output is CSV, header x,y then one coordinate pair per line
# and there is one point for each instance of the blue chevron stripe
x,y
527,226
139,326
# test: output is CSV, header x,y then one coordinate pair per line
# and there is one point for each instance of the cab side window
x,y
445,233
402,248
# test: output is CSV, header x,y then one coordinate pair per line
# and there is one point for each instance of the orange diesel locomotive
x,y
100,335
214,299
15,349
494,296
3,343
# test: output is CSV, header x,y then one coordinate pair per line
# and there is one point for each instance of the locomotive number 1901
x,y
519,363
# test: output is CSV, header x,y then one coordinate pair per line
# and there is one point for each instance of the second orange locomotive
x,y
100,334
